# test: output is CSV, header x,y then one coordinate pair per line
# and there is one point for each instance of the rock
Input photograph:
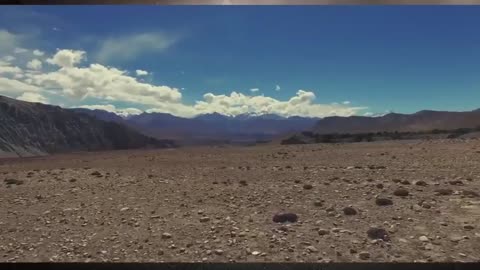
x,y
96,173
468,227
364,255
400,192
204,219
421,183
349,211
444,191
423,238
72,180
383,201
322,232
379,185
218,251
243,182
285,217
455,183
312,249
378,233
11,181
166,236
318,203
405,182
256,253
470,194
307,186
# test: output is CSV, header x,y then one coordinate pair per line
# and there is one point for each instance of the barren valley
x,y
396,201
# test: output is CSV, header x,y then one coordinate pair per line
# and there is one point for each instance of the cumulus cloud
x,y
346,102
141,72
301,104
113,109
101,82
32,97
8,41
9,69
12,86
277,87
38,53
66,58
253,90
34,64
130,46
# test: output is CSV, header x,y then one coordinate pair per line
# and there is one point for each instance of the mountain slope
x,y
28,129
420,121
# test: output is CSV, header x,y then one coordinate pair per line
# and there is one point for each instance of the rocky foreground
x,y
405,201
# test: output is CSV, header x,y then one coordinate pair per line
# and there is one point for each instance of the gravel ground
x,y
409,201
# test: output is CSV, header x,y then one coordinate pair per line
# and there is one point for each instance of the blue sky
x,y
372,58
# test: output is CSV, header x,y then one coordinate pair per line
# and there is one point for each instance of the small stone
x,y
124,209
255,253
468,227
421,183
378,233
166,236
11,181
379,185
364,255
243,182
307,186
455,183
285,217
218,251
405,182
400,192
318,203
349,211
423,238
470,194
204,219
323,232
312,249
383,201
444,191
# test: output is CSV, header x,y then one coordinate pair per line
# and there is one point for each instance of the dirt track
x,y
192,205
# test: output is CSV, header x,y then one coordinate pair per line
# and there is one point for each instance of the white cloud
x,y
253,90
101,82
368,114
277,87
301,104
34,64
11,86
10,69
346,102
66,58
32,97
141,72
20,50
113,109
129,47
38,53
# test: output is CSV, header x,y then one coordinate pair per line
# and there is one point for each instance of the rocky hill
x,y
29,129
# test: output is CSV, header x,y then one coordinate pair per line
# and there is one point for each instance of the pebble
x,y
218,251
383,201
323,232
400,192
421,183
204,219
307,186
423,238
468,227
285,217
255,253
349,211
364,255
377,233
166,236
444,191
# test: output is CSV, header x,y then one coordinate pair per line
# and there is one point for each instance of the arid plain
x,y
216,204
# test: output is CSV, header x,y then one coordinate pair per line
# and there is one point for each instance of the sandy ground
x,y
216,204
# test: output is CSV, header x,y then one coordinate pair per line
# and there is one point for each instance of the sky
x,y
311,61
